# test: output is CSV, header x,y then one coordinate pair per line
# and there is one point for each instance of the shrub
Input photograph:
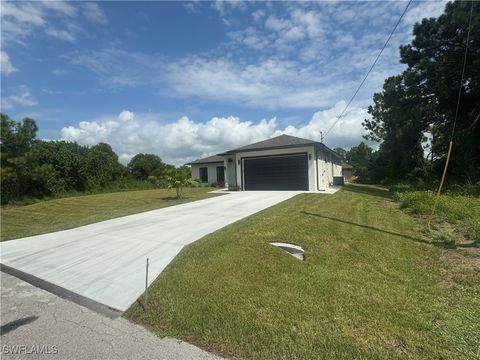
x,y
386,181
451,208
467,189
400,188
473,226
417,175
417,202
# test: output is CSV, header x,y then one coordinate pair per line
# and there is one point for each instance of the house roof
x,y
207,160
346,166
276,142
279,142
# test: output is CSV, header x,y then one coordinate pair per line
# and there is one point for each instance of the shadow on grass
x,y
141,303
445,245
174,198
368,190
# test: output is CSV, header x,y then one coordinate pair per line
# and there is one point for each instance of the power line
x,y
369,71
463,71
450,144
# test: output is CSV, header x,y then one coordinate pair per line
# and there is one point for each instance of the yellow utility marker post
x,y
437,196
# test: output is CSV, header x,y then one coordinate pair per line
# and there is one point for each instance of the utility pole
x,y
321,137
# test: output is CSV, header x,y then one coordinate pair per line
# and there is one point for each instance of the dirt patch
x,y
399,345
461,267
455,232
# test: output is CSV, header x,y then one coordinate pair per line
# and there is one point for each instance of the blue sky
x,y
190,79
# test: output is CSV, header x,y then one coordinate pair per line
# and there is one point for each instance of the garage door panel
x,y
287,172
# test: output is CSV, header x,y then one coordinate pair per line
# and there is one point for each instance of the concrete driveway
x,y
105,261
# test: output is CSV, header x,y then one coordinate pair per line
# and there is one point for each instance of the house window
x,y
204,175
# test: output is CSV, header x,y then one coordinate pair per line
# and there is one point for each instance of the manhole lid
x,y
294,250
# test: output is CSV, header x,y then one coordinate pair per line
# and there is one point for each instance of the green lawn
x,y
66,213
372,286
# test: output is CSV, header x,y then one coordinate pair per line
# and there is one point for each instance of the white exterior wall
x,y
307,149
328,167
325,167
230,181
212,171
322,170
337,167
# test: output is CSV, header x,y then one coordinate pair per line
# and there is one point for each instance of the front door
x,y
220,176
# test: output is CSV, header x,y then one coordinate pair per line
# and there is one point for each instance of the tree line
x,y
34,168
412,118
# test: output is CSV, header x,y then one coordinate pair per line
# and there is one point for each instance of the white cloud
x,y
21,96
346,133
184,140
60,34
19,20
116,67
258,14
191,7
422,9
6,66
283,33
23,13
58,72
94,13
61,7
22,19
272,84
226,7
302,59
51,92
177,142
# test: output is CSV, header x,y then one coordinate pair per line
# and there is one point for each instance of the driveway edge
x,y
63,293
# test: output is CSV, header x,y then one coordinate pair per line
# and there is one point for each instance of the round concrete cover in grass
x,y
294,250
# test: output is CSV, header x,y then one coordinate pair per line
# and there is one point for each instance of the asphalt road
x,y
32,318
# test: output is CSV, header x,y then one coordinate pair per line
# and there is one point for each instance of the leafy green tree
x,y
359,157
15,140
397,121
45,180
156,181
341,151
99,167
157,177
178,179
423,99
36,168
141,166
12,179
65,157
436,54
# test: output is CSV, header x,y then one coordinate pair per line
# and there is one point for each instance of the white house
x,y
209,170
282,163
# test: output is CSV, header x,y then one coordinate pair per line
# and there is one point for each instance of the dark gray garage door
x,y
288,172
